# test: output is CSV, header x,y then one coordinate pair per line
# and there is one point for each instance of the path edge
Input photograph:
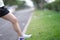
x,y
29,20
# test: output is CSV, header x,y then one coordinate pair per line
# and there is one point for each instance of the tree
x,y
54,5
10,2
14,2
39,3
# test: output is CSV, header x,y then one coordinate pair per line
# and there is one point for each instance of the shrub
x,y
53,6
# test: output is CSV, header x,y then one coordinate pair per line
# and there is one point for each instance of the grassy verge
x,y
45,25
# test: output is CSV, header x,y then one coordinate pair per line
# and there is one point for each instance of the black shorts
x,y
3,11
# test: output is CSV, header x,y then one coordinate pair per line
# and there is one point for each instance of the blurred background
x,y
40,4
45,18
21,4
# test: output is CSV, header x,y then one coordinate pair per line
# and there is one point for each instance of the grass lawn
x,y
45,25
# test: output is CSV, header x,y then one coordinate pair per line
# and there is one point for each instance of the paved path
x,y
6,28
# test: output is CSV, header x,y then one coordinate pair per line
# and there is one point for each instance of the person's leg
x,y
4,13
10,17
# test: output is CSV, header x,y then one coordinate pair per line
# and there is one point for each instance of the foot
x,y
27,36
21,38
24,36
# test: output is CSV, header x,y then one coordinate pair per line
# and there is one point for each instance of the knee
x,y
15,20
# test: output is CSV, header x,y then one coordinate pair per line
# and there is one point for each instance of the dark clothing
x,y
3,11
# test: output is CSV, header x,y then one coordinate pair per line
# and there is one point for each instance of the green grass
x,y
45,25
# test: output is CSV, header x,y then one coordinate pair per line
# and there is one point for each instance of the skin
x,y
10,17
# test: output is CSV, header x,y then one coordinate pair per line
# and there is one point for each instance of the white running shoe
x,y
27,36
24,36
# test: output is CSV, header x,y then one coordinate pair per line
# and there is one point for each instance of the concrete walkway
x,y
6,28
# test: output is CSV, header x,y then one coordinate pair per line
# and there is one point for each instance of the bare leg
x,y
10,17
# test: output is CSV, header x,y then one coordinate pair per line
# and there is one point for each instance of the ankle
x,y
19,35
